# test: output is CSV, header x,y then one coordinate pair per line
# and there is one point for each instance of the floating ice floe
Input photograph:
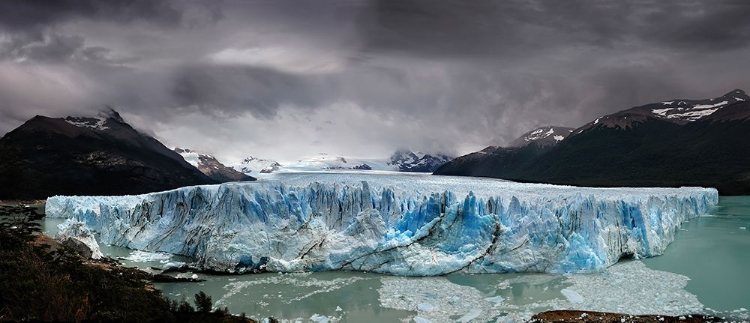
x,y
144,256
629,288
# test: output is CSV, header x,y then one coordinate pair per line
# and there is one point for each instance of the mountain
x,y
211,167
325,161
101,155
544,136
671,143
678,111
410,161
503,162
254,166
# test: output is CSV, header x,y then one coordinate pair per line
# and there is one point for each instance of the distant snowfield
x,y
330,162
401,224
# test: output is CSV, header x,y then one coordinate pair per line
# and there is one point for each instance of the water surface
x,y
714,251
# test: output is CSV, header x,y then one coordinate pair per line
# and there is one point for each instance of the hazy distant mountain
x,y
325,161
254,166
211,167
671,143
415,161
100,155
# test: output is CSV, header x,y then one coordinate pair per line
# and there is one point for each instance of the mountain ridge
x,y
212,167
639,147
100,155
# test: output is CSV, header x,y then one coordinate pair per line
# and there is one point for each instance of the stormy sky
x,y
287,78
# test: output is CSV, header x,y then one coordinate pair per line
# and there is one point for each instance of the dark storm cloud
x,y
235,89
564,62
52,47
21,15
709,25
423,73
500,28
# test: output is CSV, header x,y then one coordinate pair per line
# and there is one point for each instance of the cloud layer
x,y
283,78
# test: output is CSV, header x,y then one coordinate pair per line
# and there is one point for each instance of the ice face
x,y
79,231
412,225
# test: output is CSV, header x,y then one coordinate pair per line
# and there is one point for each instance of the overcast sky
x,y
283,79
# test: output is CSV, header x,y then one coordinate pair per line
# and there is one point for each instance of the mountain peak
x,y
737,94
679,111
110,113
99,122
544,136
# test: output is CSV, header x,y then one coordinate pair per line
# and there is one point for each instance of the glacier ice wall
x,y
395,224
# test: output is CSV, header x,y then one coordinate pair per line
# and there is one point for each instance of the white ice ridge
x,y
414,225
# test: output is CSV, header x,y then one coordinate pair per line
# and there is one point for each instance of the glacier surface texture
x,y
415,225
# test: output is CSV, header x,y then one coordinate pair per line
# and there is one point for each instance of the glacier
x,y
406,224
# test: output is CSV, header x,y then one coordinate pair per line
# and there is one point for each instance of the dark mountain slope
x,y
87,156
493,161
673,143
506,162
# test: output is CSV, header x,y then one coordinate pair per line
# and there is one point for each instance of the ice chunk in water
x,y
470,316
425,307
572,296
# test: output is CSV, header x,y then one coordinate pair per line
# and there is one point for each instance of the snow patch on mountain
x,y
544,136
97,122
693,113
190,156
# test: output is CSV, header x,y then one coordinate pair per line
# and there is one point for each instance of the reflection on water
x,y
340,295
518,289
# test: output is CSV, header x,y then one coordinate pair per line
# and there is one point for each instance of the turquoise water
x,y
714,251
344,295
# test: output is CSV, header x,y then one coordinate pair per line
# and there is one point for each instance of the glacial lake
x,y
704,270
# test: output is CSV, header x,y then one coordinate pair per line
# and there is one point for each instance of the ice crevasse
x,y
401,225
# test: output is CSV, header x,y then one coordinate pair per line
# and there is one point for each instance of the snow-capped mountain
x,y
668,143
544,136
99,122
416,161
325,161
89,155
254,166
210,166
679,111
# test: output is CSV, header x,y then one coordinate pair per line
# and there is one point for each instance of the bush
x,y
203,302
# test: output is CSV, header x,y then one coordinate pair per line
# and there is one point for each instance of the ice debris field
x,y
410,225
